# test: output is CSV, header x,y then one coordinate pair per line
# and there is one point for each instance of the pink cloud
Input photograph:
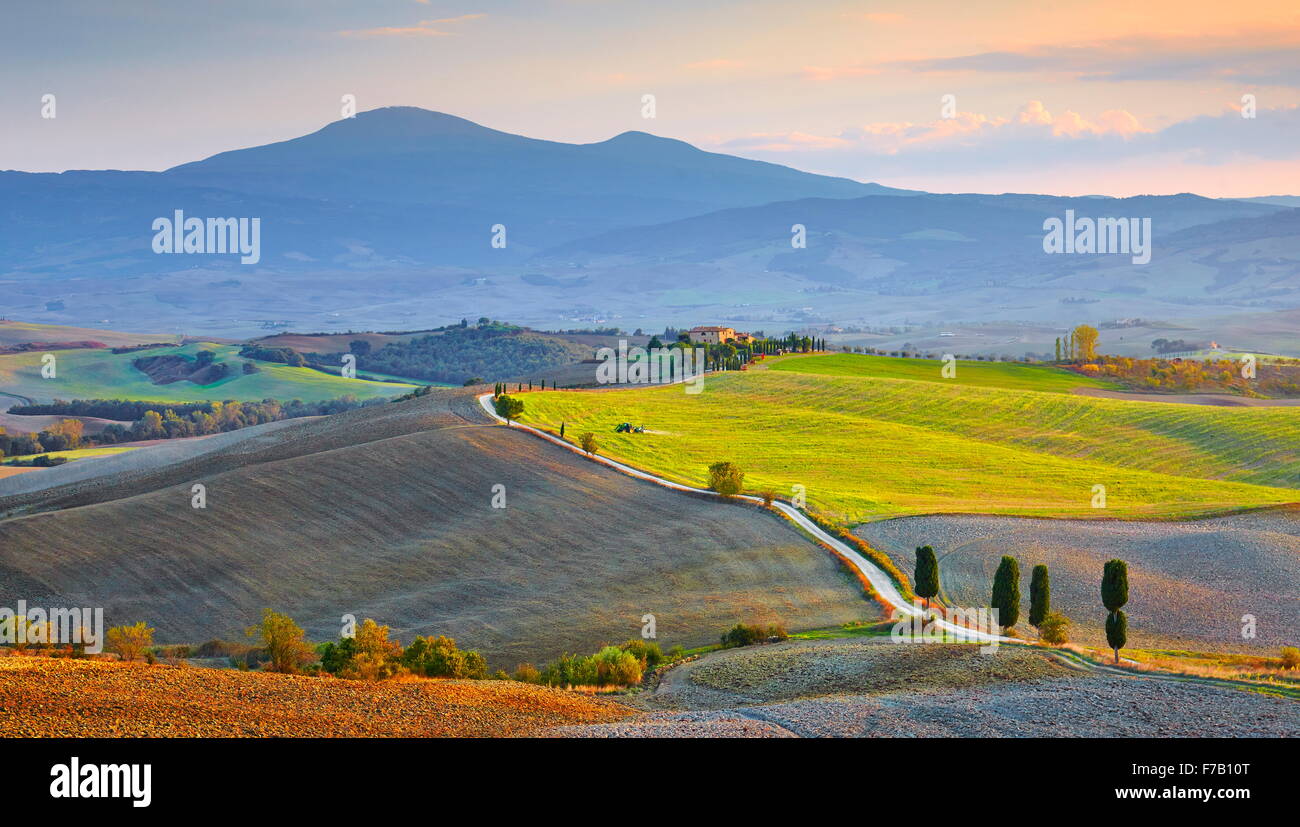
x,y
892,137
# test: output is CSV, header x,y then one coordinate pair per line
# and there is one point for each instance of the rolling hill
x,y
948,259
387,513
889,447
980,374
102,374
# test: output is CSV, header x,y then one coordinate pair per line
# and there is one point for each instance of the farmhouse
x,y
717,335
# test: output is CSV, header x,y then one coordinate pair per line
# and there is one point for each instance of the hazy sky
x,y
1123,97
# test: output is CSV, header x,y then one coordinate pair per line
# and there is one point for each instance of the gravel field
x,y
46,697
1190,582
1018,693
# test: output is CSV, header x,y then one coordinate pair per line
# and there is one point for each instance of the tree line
x,y
1052,627
158,420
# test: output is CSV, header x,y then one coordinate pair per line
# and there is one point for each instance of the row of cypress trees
x,y
1006,593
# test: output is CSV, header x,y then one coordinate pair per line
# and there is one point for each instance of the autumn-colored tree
x,y
376,656
1085,342
284,641
129,642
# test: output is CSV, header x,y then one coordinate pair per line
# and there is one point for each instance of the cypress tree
x,y
1116,631
1040,596
926,578
1006,592
1114,585
1114,594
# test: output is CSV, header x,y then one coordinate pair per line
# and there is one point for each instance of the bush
x,y
726,478
527,673
745,635
768,496
646,651
284,641
129,642
589,443
336,658
1290,657
1055,629
375,657
610,667
439,657
615,667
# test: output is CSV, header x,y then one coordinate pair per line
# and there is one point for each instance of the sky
x,y
1113,98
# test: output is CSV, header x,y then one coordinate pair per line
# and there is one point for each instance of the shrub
x,y
129,642
375,657
1290,657
746,635
1055,629
440,657
611,666
615,667
284,641
726,478
527,673
768,496
646,651
336,658
589,443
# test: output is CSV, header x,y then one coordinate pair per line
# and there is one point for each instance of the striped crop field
x,y
869,447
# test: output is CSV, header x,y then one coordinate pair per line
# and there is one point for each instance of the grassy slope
x,y
100,374
979,374
868,448
79,453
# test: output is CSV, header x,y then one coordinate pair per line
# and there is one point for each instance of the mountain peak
x,y
409,121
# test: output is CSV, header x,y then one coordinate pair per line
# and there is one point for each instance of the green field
x,y
101,374
79,453
979,374
867,448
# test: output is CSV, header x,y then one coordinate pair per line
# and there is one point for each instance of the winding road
x,y
880,582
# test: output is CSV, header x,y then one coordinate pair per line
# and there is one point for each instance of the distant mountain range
x,y
387,220
391,187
